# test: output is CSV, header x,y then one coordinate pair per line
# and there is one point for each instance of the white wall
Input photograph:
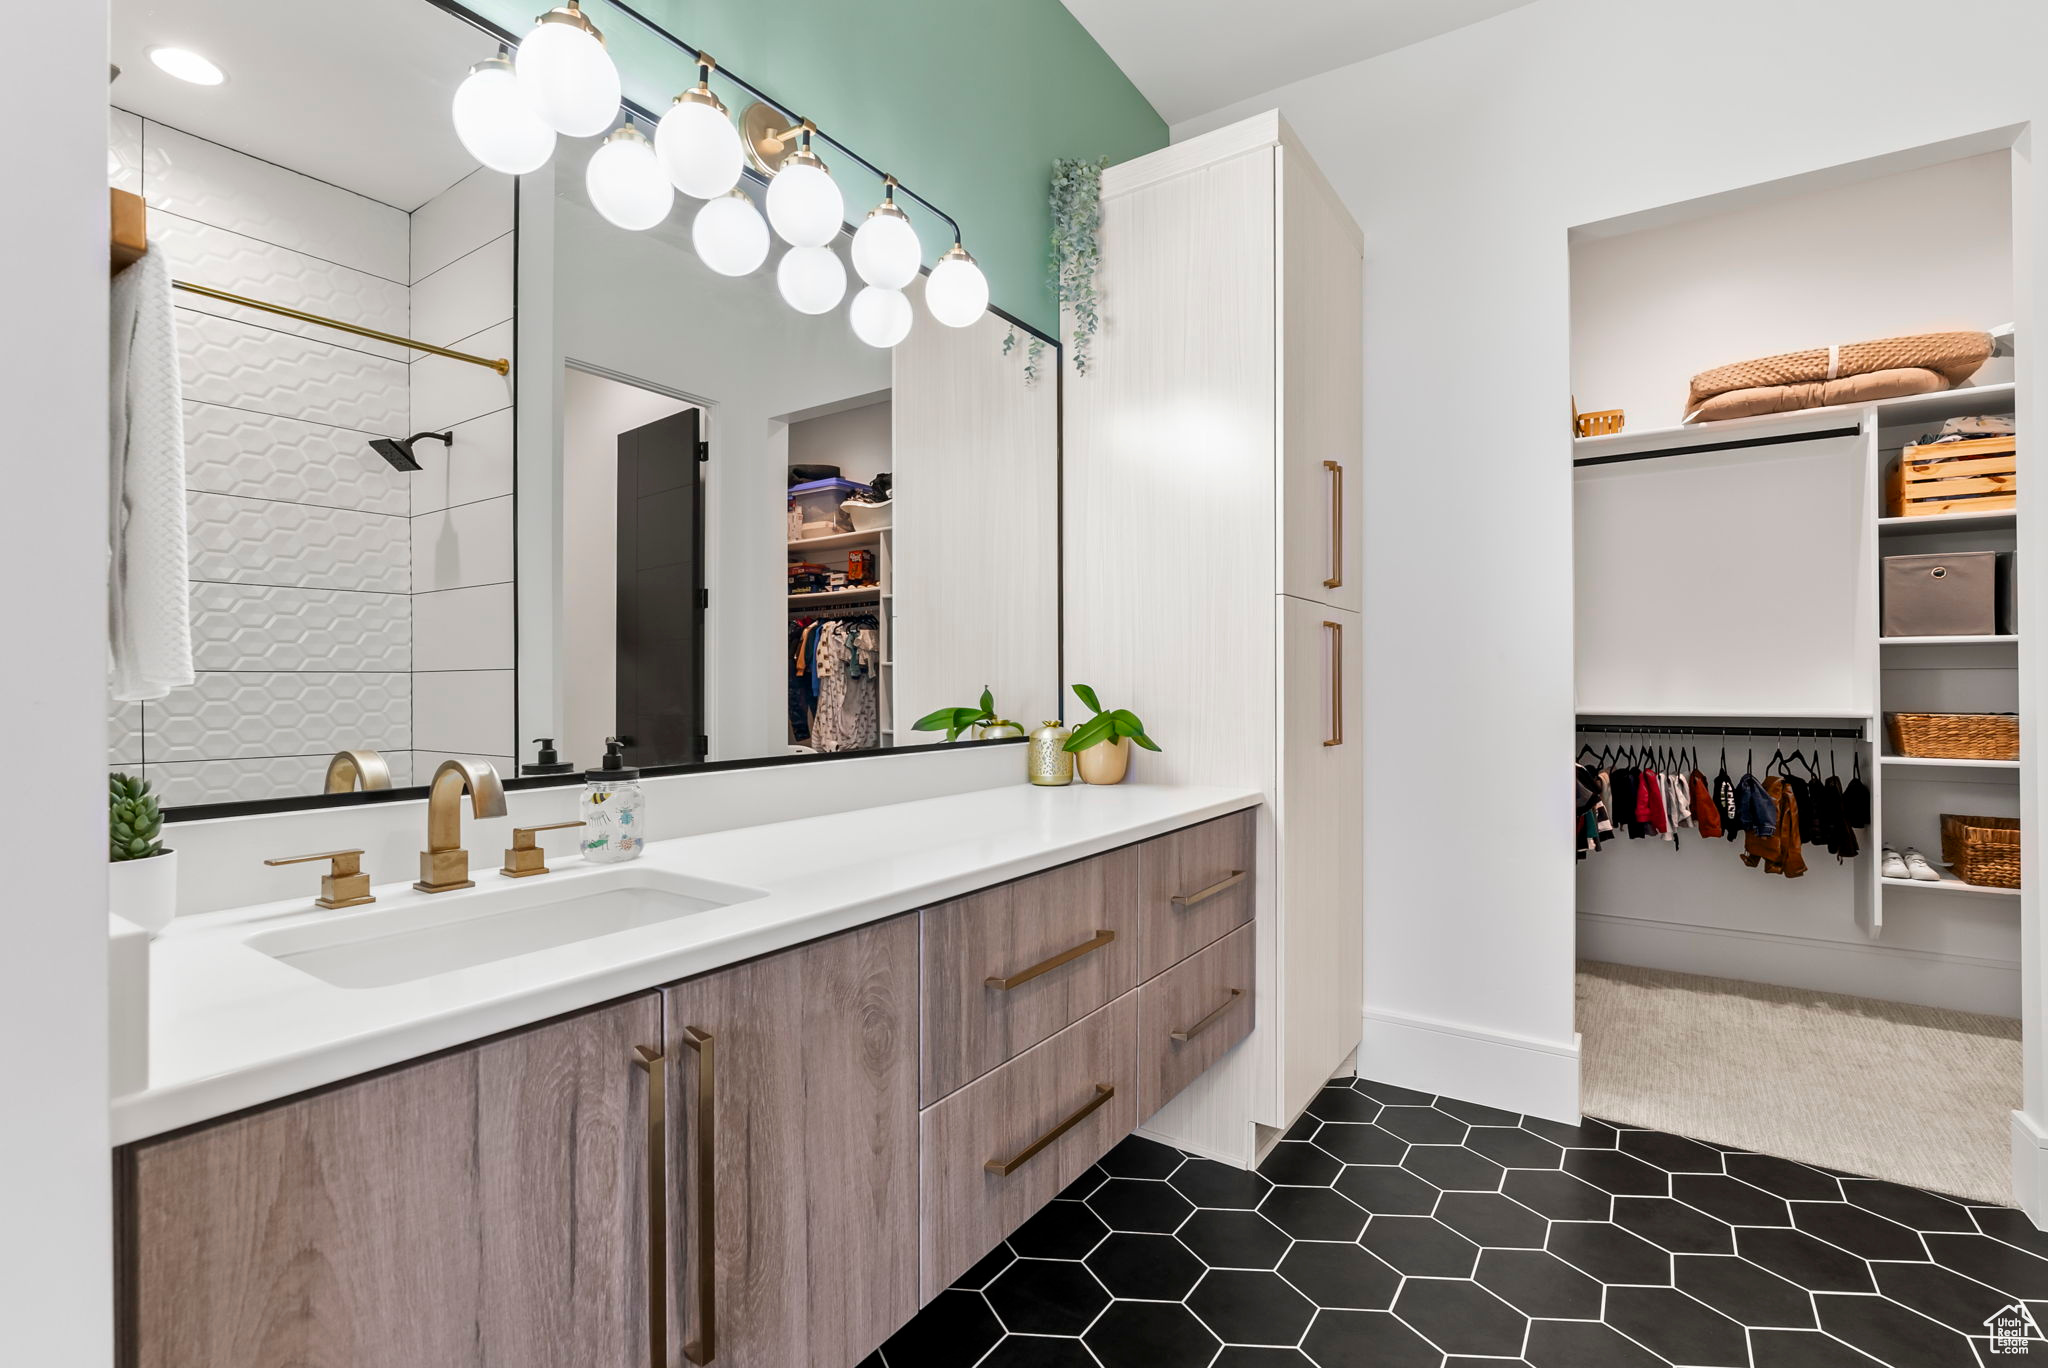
x,y
856,440
1923,250
1467,160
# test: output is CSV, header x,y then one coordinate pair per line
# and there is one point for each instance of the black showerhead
x,y
399,451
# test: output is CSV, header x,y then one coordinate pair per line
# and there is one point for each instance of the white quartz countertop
x,y
231,1026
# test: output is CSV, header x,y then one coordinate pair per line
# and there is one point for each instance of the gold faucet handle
x,y
343,885
526,859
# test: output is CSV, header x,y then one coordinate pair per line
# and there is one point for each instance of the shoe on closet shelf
x,y
1894,866
1917,866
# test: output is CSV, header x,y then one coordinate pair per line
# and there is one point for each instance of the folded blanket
x,y
1855,389
1954,356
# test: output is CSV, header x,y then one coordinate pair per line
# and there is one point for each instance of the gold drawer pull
x,y
1220,886
705,1347
1189,1033
1336,631
656,1064
1336,579
1003,1168
1100,939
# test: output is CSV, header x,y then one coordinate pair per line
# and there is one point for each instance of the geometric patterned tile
x,y
194,782
226,716
124,733
247,366
263,456
224,260
261,627
256,541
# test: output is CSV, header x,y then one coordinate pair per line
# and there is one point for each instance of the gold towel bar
x,y
498,364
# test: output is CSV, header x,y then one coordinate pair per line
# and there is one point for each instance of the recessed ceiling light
x,y
186,66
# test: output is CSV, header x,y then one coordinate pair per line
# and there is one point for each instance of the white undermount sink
x,y
381,947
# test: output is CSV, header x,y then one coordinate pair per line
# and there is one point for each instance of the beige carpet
x,y
1918,1095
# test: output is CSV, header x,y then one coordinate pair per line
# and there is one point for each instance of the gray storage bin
x,y
1958,593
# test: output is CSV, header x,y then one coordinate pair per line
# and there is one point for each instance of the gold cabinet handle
x,y
343,885
1189,1033
705,1347
1336,736
1336,579
1003,1168
656,1064
1089,946
1185,900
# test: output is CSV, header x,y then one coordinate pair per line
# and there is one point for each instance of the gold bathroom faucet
x,y
350,767
444,864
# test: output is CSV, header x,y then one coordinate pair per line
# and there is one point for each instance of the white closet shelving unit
x,y
832,551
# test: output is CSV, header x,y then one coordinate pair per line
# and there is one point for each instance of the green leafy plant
x,y
953,721
1106,725
134,822
1076,202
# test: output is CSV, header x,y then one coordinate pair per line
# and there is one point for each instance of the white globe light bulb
x,y
956,291
495,122
804,202
699,147
881,318
730,235
886,251
626,183
812,279
567,75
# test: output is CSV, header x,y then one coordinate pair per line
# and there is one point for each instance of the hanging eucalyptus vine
x,y
1076,201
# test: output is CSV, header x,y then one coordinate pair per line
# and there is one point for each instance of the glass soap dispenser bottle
x,y
611,808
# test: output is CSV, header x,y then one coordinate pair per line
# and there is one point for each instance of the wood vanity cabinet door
x,y
1194,887
483,1209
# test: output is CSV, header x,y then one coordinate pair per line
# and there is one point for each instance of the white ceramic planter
x,y
144,891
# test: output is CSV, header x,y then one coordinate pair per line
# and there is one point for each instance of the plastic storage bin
x,y
1960,593
817,505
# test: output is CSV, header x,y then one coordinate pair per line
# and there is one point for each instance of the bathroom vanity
x,y
762,1130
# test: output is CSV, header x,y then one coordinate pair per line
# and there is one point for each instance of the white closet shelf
x,y
1655,717
1947,640
1926,762
1995,521
836,596
1949,884
837,539
1911,408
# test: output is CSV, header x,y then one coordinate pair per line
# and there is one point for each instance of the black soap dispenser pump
x,y
547,762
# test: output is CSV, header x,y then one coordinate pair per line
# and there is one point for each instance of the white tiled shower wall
x,y
335,601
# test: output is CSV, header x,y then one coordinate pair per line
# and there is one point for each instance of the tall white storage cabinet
x,y
1212,500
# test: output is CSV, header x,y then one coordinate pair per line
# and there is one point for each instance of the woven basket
x,y
1984,851
1956,736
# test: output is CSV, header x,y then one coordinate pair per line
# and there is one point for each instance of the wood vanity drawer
x,y
1193,887
1059,941
1191,1015
1080,1087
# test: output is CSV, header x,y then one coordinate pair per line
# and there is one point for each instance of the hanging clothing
x,y
1856,800
835,684
1706,811
1842,842
1756,807
1776,850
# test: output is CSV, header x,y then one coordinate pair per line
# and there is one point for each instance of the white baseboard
x,y
2030,1168
1495,1068
1963,983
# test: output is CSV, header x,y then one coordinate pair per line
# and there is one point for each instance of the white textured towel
x,y
149,628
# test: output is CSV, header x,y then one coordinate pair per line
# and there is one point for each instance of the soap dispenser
x,y
611,807
548,761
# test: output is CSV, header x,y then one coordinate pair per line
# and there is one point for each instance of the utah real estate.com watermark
x,y
2012,1330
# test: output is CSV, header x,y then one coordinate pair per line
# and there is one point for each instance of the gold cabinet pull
x,y
1094,943
1185,900
1003,1168
1189,1033
656,1064
705,1347
343,885
1336,736
1336,579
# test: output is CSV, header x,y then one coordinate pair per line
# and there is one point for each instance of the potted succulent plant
x,y
982,721
1102,744
142,880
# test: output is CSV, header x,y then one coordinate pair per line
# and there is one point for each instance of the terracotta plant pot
x,y
1105,762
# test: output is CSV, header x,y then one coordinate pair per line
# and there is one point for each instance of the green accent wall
x,y
966,102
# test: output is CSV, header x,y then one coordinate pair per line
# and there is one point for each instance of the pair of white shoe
x,y
1911,865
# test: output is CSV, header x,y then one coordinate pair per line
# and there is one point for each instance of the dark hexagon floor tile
x,y
1036,1351
1233,1239
1956,1301
1355,1144
1392,1191
2009,1269
1540,1284
1304,1128
1077,1191
1252,1356
1453,1168
954,1330
1514,1147
1803,1349
985,1269
1731,1200
1672,1153
1046,1297
1796,1182
1491,1220
1588,1134
1472,1113
1344,1276
1313,1213
1342,1104
1354,1339
1300,1164
1798,1257
1420,1247
1145,1267
1908,1206
1618,1173
1139,1204
2012,1226
1609,1253
1392,1095
1557,1195
1133,1334
1422,1125
1861,1232
1584,1344
1461,1317
1207,1183
1676,1326
1137,1157
1893,1334
1251,1308
1673,1225
1743,1292
1059,1230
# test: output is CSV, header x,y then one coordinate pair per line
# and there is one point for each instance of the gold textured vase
x,y
1106,762
1046,759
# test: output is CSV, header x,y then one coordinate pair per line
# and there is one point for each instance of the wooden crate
x,y
1975,476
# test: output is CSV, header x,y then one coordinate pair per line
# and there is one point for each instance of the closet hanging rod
x,y
1778,439
498,364
1820,733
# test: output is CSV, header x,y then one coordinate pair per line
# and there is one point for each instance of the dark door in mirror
x,y
661,593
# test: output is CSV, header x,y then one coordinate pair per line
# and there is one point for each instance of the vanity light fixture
x,y
186,65
699,147
804,203
880,318
625,180
730,234
497,122
957,291
812,279
567,74
886,252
